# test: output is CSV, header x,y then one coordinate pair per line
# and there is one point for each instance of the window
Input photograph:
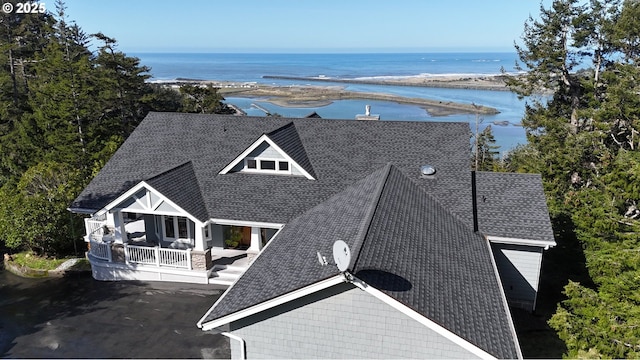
x,y
169,230
183,233
267,165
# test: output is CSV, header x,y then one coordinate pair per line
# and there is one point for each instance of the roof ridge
x,y
366,221
281,128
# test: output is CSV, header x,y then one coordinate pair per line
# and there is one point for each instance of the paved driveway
x,y
78,317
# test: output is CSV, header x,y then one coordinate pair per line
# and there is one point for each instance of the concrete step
x,y
225,274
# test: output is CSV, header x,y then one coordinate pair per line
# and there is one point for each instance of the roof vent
x,y
427,171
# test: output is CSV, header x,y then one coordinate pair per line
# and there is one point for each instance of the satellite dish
x,y
341,255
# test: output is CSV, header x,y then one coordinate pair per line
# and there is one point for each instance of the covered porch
x,y
140,246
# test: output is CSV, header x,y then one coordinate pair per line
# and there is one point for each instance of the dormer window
x,y
278,166
278,152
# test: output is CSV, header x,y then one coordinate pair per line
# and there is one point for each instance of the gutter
x,y
243,345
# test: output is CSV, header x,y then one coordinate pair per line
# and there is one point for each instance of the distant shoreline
x,y
462,81
302,96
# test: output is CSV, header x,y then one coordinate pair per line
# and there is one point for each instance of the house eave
x,y
260,224
296,294
546,244
78,210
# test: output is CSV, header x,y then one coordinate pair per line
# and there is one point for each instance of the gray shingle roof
x,y
288,140
513,206
180,185
270,275
340,151
404,243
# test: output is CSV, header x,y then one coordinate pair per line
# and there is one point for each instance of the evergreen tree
x,y
203,100
487,155
63,112
122,89
583,138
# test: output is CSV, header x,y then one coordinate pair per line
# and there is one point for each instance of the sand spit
x,y
471,82
318,96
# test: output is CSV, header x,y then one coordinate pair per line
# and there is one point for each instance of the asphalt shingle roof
x,y
513,206
289,261
404,243
180,185
339,151
288,140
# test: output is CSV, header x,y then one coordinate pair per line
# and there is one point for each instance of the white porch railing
x,y
94,228
100,250
175,258
158,256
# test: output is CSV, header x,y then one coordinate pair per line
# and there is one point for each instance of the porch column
x,y
256,244
199,237
121,232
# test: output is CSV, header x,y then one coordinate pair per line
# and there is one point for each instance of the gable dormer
x,y
278,152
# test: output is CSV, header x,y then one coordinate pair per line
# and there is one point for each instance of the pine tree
x,y
487,151
203,100
583,138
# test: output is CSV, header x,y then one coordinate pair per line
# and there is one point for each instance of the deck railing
x,y
100,250
158,256
144,255
141,255
94,227
175,258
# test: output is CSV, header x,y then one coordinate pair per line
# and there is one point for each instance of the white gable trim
x,y
143,185
528,242
296,294
261,139
420,318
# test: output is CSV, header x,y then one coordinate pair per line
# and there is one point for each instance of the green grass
x,y
81,265
36,262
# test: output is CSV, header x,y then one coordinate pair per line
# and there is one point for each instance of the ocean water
x,y
253,67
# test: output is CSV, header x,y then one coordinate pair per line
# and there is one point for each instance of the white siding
x,y
341,322
519,268
266,151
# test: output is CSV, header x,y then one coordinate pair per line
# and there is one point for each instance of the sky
x,y
306,25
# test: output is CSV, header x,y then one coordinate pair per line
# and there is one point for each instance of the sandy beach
x,y
473,82
321,95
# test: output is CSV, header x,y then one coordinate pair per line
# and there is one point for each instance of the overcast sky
x,y
305,25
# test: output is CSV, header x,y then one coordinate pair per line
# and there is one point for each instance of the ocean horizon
x,y
252,67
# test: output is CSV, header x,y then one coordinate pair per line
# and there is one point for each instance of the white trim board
x,y
143,185
296,294
257,224
546,244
